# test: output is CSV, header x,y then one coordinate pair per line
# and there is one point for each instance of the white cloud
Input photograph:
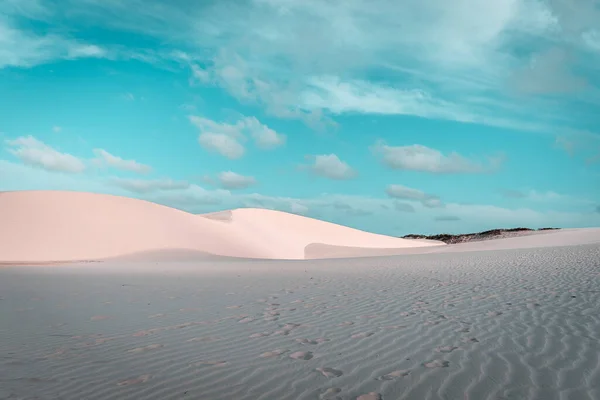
x,y
421,158
308,58
226,138
34,152
332,94
406,193
264,137
21,48
330,166
149,186
231,180
105,158
222,144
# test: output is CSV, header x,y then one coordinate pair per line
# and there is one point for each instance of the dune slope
x,y
42,226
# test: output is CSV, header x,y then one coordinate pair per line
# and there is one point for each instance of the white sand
x,y
46,226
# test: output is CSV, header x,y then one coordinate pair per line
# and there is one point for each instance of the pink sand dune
x,y
43,226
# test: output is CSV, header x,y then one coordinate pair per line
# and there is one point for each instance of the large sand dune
x,y
45,226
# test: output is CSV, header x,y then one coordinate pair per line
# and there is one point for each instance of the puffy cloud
x,y
36,153
406,193
222,144
424,159
330,166
226,138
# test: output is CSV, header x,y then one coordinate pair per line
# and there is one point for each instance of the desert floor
x,y
506,324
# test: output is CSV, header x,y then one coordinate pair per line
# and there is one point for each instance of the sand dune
x,y
537,239
43,226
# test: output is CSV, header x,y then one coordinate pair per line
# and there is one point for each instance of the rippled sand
x,y
507,324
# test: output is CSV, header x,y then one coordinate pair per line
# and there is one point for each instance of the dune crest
x,y
44,226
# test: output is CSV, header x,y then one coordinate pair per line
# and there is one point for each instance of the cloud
x,y
34,152
56,129
231,180
104,158
330,166
312,59
406,193
341,97
226,139
424,159
222,144
403,207
23,48
447,218
142,186
264,137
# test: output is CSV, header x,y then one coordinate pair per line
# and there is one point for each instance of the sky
x,y
394,117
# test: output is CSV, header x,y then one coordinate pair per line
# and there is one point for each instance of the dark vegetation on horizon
x,y
469,237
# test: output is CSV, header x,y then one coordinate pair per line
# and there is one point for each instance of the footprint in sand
x,y
145,348
446,349
394,375
330,394
436,364
494,313
274,353
302,355
362,335
203,339
147,332
156,315
470,340
234,307
134,381
260,334
217,364
346,323
330,372
370,396
246,320
99,317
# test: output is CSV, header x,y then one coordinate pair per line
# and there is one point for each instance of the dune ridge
x,y
57,226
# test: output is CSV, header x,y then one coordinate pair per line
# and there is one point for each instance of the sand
x,y
51,226
495,324
513,318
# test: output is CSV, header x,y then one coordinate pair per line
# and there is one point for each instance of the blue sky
x,y
390,116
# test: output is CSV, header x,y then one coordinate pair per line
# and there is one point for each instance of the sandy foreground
x,y
494,324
